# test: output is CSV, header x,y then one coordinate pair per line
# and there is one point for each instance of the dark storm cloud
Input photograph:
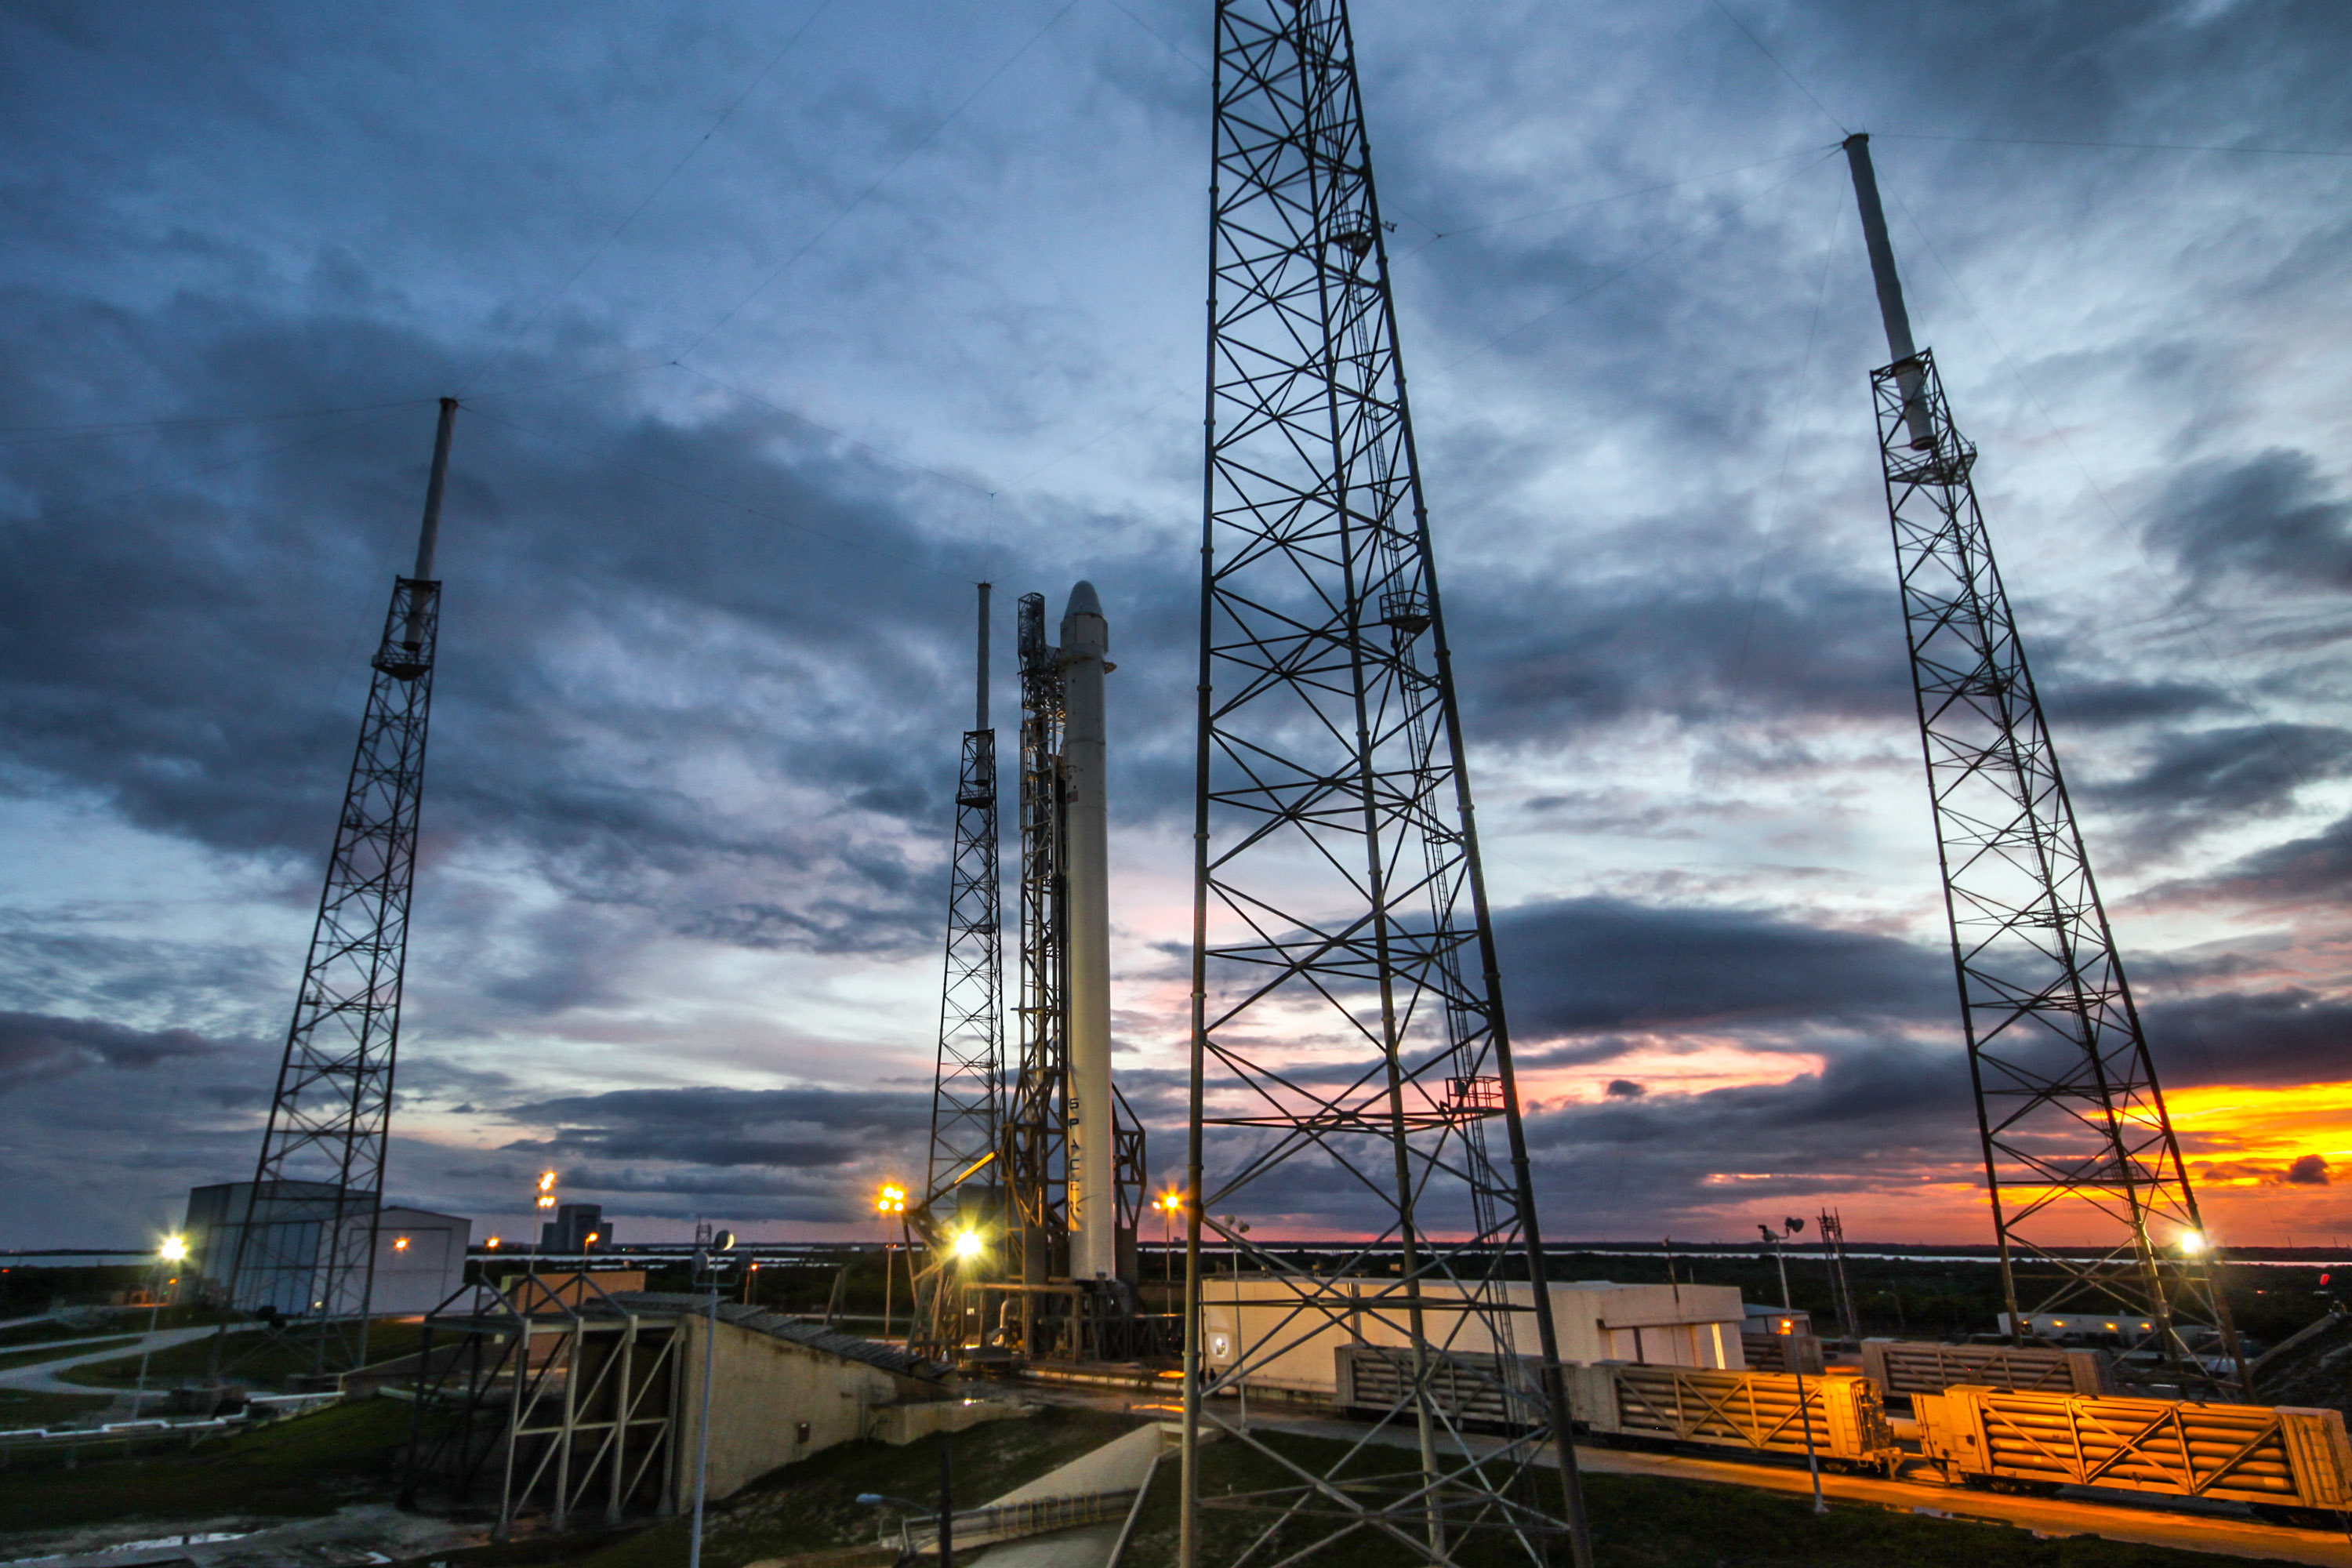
x,y
785,1129
2317,869
1576,965
1824,645
1877,1114
2288,1036
35,1047
2273,515
773,1154
214,699
2210,779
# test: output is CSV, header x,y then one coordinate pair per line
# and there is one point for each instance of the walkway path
x,y
40,1377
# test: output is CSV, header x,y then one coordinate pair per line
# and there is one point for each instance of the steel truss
x,y
305,1251
1348,1045
566,1395
967,1089
960,1187
2076,1141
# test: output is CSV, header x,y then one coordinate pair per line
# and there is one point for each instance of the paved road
x,y
41,1376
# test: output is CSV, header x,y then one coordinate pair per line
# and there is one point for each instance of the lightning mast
x,y
2077,1146
306,1249
1347,1025
967,1091
961,1192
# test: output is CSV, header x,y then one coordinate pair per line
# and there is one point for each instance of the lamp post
x,y
891,1200
705,1269
1170,1204
968,1250
1796,1363
173,1250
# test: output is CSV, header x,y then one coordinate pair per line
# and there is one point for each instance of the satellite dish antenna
x,y
723,1242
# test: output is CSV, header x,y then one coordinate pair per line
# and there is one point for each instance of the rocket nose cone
x,y
1082,601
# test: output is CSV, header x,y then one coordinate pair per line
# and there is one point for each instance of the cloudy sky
x,y
778,325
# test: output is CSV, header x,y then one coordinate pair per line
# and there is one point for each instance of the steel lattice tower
x,y
960,1189
1348,1032
2077,1146
967,1092
306,1248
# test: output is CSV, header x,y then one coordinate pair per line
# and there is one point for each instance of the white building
x,y
1286,1328
420,1257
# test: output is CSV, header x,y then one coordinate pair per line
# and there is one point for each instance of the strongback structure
x,y
304,1253
1350,1054
2091,1205
1037,1130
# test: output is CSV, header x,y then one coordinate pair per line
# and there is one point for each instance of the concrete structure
x,y
557,1394
786,1388
420,1256
1598,1319
1093,1161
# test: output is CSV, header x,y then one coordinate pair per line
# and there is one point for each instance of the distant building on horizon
x,y
576,1227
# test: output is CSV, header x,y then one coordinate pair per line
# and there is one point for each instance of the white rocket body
x,y
1094,1173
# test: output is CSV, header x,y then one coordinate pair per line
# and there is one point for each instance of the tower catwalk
x,y
2091,1205
967,1091
1349,1043
305,1250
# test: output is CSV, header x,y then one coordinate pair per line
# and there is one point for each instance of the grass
x,y
813,1506
299,1469
250,1360
1638,1521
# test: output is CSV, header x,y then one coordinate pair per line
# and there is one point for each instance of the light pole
x,y
1796,1361
1169,1204
173,1250
892,1200
705,1269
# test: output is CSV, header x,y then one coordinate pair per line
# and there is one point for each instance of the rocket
x,y
1093,1190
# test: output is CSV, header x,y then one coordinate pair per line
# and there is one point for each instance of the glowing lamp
x,y
400,1245
967,1243
493,1244
2191,1243
173,1249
